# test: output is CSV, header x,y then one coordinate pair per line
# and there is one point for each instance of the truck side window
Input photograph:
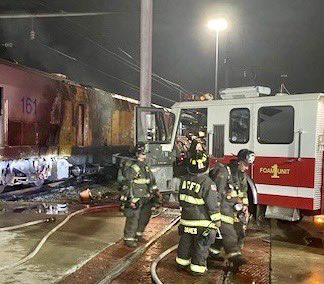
x,y
151,127
192,123
239,126
276,125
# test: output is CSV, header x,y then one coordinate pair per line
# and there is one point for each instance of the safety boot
x,y
215,254
198,274
183,267
141,239
130,243
238,260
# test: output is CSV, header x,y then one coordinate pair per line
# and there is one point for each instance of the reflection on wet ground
x,y
66,250
297,253
304,233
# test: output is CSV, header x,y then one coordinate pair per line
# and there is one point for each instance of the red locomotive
x,y
50,125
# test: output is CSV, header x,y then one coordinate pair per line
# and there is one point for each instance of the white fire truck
x,y
286,132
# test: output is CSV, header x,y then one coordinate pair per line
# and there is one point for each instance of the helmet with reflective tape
x,y
246,156
140,149
198,163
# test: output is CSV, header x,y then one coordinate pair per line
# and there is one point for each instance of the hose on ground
x,y
46,220
155,278
117,270
44,239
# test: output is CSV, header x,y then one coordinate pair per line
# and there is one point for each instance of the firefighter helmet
x,y
246,156
198,163
140,148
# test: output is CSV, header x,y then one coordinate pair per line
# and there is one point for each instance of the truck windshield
x,y
192,125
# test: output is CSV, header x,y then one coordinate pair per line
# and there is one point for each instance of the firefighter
x,y
232,187
138,197
200,216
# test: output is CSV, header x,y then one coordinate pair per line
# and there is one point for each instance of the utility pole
x,y
146,52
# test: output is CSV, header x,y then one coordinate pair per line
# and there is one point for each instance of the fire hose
x,y
127,261
155,263
46,220
44,239
155,277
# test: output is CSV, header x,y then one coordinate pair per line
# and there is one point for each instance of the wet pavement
x,y
294,258
257,270
293,263
115,257
65,251
89,248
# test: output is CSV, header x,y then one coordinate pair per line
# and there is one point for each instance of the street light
x,y
217,25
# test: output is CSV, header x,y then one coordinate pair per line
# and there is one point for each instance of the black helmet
x,y
246,156
198,163
140,148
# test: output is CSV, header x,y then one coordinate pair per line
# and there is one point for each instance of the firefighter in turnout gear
x,y
139,197
200,216
232,188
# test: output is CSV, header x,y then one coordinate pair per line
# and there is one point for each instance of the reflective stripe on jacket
x,y
198,199
140,179
232,188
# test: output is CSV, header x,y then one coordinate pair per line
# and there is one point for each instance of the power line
x,y
134,87
123,60
53,15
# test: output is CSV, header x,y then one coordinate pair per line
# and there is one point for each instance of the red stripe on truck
x,y
285,201
280,171
284,171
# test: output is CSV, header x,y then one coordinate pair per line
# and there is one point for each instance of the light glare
x,y
218,24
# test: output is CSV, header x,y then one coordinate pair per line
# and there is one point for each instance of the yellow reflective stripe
x,y
198,223
136,168
182,261
193,162
233,193
245,201
198,268
215,217
134,200
227,219
191,199
233,254
141,181
241,194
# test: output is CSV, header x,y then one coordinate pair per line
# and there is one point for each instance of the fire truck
x,y
286,132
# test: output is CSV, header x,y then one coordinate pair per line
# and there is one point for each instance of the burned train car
x,y
50,125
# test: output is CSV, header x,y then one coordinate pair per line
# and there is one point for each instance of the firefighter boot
x,y
141,239
215,254
238,260
198,274
183,267
130,243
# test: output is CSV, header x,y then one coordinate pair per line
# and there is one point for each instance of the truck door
x,y
280,144
154,128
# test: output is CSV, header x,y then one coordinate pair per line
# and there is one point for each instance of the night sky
x,y
265,39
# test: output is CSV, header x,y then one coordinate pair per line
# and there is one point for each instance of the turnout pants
x,y
136,220
233,238
193,250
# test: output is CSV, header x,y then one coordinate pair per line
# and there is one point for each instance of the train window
x,y
239,126
276,125
22,133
